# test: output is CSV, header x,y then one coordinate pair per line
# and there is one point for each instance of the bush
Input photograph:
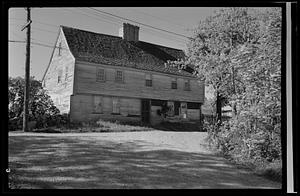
x,y
41,108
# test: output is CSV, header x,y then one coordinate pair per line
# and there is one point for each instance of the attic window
x,y
66,73
59,49
59,76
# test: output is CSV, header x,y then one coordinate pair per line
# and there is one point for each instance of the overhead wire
x,y
37,43
160,18
160,34
110,21
123,18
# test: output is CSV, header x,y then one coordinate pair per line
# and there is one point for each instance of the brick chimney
x,y
129,32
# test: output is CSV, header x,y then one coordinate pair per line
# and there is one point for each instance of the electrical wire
x,y
37,43
123,18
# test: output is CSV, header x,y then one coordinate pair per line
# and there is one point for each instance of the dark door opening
x,y
145,110
176,107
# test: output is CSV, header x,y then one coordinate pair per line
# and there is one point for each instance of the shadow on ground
x,y
68,163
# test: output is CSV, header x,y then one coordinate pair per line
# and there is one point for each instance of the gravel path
x,y
153,159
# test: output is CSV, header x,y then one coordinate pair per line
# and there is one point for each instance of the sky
x,y
46,21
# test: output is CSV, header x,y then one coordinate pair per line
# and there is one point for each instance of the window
x,y
59,49
187,86
119,76
66,73
59,76
174,83
116,106
148,80
100,75
97,104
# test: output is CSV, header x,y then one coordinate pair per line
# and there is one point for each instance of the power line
x,y
149,29
144,13
139,23
36,28
36,43
95,18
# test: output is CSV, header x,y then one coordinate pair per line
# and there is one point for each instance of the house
x,y
95,76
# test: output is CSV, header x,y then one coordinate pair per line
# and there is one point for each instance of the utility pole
x,y
27,72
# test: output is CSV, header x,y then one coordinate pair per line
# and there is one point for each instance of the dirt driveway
x,y
154,159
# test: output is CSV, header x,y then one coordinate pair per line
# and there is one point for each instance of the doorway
x,y
145,110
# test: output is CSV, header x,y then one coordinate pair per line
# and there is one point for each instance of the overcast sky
x,y
46,21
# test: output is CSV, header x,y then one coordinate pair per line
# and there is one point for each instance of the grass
x,y
270,170
99,126
116,126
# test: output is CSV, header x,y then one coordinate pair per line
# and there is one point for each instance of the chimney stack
x,y
129,32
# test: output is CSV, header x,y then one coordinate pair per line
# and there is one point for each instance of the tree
x,y
216,42
238,52
41,106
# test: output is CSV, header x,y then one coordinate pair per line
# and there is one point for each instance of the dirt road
x,y
154,159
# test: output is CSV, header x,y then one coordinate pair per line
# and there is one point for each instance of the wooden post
x,y
27,75
201,119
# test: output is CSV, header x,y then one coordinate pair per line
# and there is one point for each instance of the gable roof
x,y
112,50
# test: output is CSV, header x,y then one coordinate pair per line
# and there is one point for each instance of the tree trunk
x,y
219,109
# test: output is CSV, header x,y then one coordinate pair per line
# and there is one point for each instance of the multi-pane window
x,y
187,86
100,76
59,77
116,106
98,106
119,76
148,80
174,83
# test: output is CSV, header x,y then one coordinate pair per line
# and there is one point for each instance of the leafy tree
x,y
211,52
238,52
41,106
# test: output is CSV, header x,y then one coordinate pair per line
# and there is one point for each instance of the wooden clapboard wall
x,y
63,60
134,84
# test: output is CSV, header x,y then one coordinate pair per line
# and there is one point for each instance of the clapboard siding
x,y
134,84
83,108
60,92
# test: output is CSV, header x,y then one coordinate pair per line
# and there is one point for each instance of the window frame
x,y
116,76
148,78
104,75
59,76
66,73
116,104
187,87
59,49
174,82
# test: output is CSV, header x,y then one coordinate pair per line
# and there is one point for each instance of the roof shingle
x,y
113,50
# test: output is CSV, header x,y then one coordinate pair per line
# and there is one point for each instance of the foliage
x,y
238,52
41,107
